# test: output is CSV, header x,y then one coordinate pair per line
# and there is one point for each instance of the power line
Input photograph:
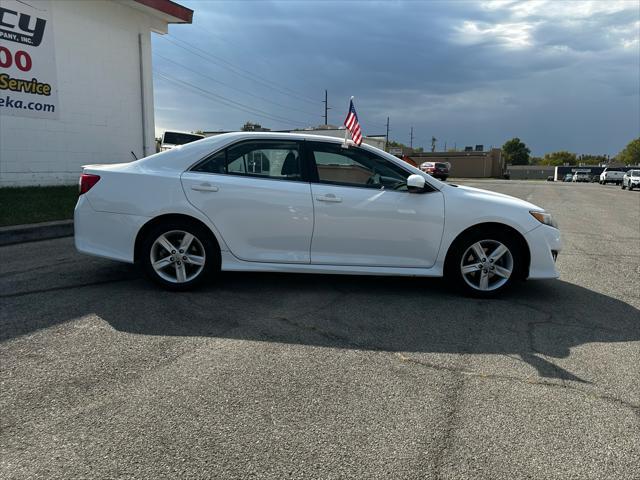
x,y
226,40
228,102
236,70
234,88
245,74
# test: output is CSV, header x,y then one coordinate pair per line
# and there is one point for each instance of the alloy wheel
x,y
177,256
487,265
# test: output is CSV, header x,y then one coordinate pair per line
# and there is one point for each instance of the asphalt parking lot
x,y
289,376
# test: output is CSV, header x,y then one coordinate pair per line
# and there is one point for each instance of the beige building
x,y
473,164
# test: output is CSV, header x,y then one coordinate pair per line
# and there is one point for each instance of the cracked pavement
x,y
290,376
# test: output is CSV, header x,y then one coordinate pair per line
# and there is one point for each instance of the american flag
x,y
352,124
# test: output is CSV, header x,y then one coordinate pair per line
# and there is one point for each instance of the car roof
x,y
184,156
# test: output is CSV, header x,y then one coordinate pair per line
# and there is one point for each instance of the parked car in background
x,y
173,139
631,179
611,175
438,170
581,176
568,177
313,206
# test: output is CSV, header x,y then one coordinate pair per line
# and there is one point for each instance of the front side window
x,y
356,167
269,159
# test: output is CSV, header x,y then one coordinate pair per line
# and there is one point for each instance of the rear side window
x,y
268,159
216,163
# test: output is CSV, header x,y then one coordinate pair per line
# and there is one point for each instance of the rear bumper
x,y
544,245
104,234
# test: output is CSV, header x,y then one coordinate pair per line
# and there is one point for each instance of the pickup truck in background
x,y
611,175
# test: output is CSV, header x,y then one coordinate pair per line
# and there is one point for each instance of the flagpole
x,y
346,130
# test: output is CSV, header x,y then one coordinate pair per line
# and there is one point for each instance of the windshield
x,y
177,138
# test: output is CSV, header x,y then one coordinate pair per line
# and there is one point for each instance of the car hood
x,y
480,194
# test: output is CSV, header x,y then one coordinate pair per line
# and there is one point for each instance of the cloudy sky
x,y
559,74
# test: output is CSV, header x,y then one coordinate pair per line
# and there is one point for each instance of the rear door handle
x,y
330,197
204,187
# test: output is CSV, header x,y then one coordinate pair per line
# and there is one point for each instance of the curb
x,y
35,231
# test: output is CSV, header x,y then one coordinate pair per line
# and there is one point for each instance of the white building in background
x,y
76,84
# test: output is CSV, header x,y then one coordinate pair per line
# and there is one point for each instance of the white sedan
x,y
309,204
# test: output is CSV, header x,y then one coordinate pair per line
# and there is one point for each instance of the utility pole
x,y
411,139
326,108
387,135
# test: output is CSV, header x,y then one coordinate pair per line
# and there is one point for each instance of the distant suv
x,y
611,175
631,179
174,139
438,170
581,176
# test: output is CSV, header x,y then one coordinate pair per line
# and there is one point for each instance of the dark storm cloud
x,y
561,75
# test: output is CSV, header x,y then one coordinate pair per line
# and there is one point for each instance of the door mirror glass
x,y
416,183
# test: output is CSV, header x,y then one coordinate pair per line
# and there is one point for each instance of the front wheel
x,y
484,263
179,255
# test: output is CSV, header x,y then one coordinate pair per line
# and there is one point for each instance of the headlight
x,y
544,217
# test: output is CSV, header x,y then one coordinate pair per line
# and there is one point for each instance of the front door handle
x,y
204,187
330,197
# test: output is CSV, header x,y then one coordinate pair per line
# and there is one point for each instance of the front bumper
x,y
544,244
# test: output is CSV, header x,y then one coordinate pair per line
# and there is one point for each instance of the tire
x,y
623,187
463,253
179,274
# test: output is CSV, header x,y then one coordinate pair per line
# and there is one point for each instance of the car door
x,y
255,195
364,214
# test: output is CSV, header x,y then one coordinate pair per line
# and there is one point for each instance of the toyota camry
x,y
307,204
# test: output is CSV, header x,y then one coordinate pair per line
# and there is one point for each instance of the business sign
x,y
28,80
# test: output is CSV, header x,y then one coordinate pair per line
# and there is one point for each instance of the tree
x,y
394,144
630,155
589,159
516,152
559,158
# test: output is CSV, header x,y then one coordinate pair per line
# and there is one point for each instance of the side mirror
x,y
416,183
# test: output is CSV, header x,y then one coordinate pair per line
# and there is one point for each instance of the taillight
x,y
87,181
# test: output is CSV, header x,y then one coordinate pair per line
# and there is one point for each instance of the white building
x,y
76,84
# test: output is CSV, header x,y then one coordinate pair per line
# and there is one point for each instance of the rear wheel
x,y
179,255
484,263
623,187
